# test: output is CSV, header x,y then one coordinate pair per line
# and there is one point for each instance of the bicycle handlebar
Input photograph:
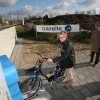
x,y
43,58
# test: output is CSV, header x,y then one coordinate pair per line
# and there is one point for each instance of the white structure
x,y
7,41
4,91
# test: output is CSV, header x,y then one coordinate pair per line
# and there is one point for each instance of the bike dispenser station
x,y
9,88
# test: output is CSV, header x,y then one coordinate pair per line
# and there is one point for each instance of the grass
x,y
23,33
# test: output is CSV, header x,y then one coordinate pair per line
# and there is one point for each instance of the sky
x,y
24,8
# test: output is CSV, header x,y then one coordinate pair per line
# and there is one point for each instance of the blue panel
x,y
14,89
11,77
18,96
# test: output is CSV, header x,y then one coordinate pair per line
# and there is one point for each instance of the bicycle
x,y
32,84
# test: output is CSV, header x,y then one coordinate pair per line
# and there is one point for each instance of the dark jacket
x,y
95,42
67,58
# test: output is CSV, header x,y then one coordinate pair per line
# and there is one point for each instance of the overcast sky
x,y
23,8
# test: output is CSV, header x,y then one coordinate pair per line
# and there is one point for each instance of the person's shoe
x,y
66,85
90,62
94,65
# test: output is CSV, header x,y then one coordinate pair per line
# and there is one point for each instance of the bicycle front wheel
x,y
29,87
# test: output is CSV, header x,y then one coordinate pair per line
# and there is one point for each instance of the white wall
x,y
7,41
4,91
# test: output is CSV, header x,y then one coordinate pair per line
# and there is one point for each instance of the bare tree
x,y
82,12
94,12
99,12
76,12
88,12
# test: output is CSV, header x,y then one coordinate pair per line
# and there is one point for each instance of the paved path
x,y
86,84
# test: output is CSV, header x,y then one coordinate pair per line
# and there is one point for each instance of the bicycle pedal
x,y
60,79
51,78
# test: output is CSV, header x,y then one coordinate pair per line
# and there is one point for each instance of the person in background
x,y
66,59
95,45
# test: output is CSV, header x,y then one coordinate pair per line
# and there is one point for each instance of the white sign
x,y
4,92
58,28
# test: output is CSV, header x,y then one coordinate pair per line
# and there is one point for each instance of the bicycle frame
x,y
39,71
35,81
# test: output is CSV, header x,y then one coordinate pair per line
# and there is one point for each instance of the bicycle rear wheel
x,y
29,87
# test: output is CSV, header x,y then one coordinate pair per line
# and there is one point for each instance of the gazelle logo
x,y
68,28
52,28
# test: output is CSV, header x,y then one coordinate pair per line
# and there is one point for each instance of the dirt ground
x,y
47,50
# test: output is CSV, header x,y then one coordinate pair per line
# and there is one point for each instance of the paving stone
x,y
87,73
59,85
89,80
85,69
81,76
74,72
76,86
94,89
88,98
17,53
53,96
76,79
83,83
98,74
86,92
70,97
52,88
96,97
90,68
95,77
98,70
97,84
93,72
77,62
60,99
59,94
79,71
46,83
78,96
68,91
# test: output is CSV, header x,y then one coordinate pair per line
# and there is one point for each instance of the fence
x,y
7,41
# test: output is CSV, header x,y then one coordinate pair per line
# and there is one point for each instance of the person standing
x,y
95,45
66,59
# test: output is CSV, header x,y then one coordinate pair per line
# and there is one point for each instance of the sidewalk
x,y
86,84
